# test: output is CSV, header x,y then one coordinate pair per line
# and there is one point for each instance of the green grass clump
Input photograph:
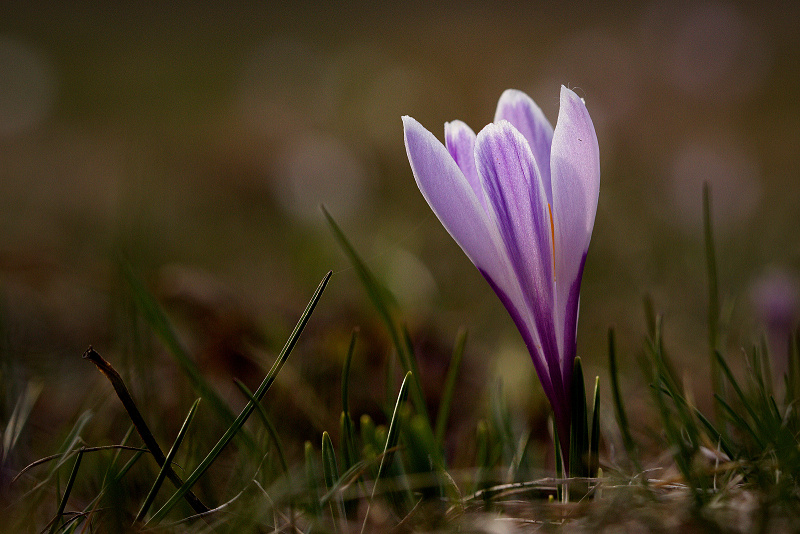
x,y
396,468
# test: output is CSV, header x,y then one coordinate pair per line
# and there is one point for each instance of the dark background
x,y
196,142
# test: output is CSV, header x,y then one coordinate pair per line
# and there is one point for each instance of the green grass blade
x,y
578,433
348,440
416,385
141,426
330,469
330,473
273,433
683,437
674,439
70,483
383,302
346,422
449,387
502,425
726,370
248,409
667,376
157,319
64,453
561,493
346,372
482,455
594,439
312,480
162,474
128,465
739,421
394,429
619,406
392,439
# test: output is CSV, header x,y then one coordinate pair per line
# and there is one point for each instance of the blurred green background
x,y
196,140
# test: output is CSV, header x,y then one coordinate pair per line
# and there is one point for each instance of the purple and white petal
x,y
454,202
520,110
518,207
575,171
520,199
460,142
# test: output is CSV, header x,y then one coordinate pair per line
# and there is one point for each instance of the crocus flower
x,y
520,199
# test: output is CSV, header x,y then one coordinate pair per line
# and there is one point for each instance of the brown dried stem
x,y
138,422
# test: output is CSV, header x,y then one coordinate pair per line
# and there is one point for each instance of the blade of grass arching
x,y
381,298
157,320
383,302
64,453
330,473
346,423
71,482
726,370
162,474
127,467
117,454
393,435
141,426
739,421
273,433
713,292
619,407
594,439
248,409
578,433
392,438
449,387
714,434
345,480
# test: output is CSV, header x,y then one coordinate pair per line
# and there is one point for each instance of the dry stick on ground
x,y
141,427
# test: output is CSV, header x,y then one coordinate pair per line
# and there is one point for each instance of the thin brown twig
x,y
138,421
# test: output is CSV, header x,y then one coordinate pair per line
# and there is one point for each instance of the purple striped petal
x,y
460,142
518,207
521,111
575,168
454,202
